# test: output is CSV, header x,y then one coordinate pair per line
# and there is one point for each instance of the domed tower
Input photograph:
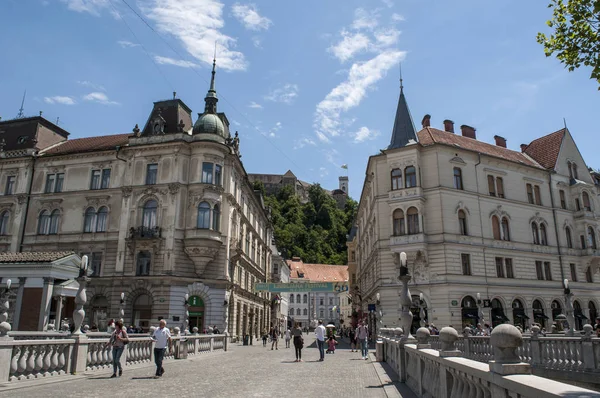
x,y
211,122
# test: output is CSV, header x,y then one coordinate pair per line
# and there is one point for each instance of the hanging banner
x,y
336,287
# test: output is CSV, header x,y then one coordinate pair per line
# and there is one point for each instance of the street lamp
x,y
406,315
80,297
569,308
480,310
421,310
121,306
186,320
4,306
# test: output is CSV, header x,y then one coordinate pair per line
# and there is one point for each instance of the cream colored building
x,y
163,212
475,217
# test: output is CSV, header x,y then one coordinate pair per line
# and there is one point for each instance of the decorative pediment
x,y
213,158
402,164
97,200
11,172
537,219
499,213
461,206
458,160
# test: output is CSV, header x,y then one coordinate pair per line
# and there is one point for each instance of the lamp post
x,y
80,297
406,315
421,310
4,306
122,307
569,308
186,320
480,317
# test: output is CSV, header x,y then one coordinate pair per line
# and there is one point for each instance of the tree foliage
x,y
576,37
316,230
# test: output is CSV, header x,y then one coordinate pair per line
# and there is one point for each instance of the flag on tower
x,y
345,166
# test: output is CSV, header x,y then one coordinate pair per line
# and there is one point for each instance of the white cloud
x,y
100,98
397,17
389,3
93,7
387,37
248,16
364,134
235,122
176,62
198,25
59,99
323,172
275,129
351,44
364,19
304,142
255,105
349,94
127,44
95,86
257,42
286,94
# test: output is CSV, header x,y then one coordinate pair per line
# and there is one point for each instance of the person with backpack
x,y
298,342
118,340
274,337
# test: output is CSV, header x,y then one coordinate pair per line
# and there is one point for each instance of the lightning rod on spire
x,y
21,115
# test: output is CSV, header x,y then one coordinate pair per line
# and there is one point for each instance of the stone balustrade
x,y
444,366
62,355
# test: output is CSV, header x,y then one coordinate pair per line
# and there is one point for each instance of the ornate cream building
x,y
163,212
475,217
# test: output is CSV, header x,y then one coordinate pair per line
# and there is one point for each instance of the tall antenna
x,y
401,84
20,115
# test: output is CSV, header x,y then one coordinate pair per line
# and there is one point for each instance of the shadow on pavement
x,y
142,378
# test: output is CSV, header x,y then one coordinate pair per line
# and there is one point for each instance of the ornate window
x,y
586,201
54,221
298,311
505,229
218,175
413,221
398,226
563,200
591,238
4,222
89,220
216,222
462,222
569,237
102,218
149,213
305,312
396,175
207,173
151,173
458,183
491,185
574,166
43,222
291,299
537,194
588,275
500,187
536,233
496,228
143,263
304,299
410,176
203,216
530,198
100,179
543,235
11,181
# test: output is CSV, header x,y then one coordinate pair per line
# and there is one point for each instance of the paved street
x,y
251,371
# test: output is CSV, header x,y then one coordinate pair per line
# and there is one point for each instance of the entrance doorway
x,y
519,316
469,312
142,312
498,316
196,311
99,313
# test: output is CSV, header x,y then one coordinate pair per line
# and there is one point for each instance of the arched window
x,y
458,183
536,233
89,220
589,278
398,226
4,219
305,312
462,222
413,221
298,311
203,215
496,227
505,229
54,220
591,238
569,237
570,170
396,179
410,176
297,298
586,201
556,309
593,311
216,218
543,235
43,222
538,313
102,217
292,311
305,299
291,299
149,214
574,166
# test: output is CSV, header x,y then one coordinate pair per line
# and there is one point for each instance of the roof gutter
x,y
24,223
560,259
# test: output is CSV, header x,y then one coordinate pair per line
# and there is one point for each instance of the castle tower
x,y
344,183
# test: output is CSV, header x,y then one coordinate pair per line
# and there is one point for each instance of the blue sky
x,y
310,85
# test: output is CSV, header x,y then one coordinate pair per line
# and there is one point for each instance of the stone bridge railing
x,y
64,354
447,372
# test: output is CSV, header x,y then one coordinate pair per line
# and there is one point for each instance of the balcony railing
x,y
144,232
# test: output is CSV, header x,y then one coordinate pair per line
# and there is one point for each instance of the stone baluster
x,y
468,351
423,335
448,337
536,347
587,348
505,340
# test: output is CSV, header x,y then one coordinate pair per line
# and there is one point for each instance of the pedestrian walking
x,y
162,339
331,343
117,341
298,342
362,335
352,336
320,333
274,337
287,338
264,337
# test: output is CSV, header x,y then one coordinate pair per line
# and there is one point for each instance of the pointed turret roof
x,y
404,129
211,97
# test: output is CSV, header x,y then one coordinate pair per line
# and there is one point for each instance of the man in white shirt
x,y
362,334
161,338
288,336
320,333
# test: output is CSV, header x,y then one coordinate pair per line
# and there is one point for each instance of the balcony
x,y
144,232
407,239
584,214
405,193
202,247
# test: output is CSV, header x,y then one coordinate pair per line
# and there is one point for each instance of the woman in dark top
x,y
298,341
352,336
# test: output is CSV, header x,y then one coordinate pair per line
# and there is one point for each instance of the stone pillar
x,y
467,349
19,303
45,305
80,353
448,337
59,307
6,348
536,347
505,340
587,348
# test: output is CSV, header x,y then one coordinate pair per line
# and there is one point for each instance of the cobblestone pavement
x,y
243,371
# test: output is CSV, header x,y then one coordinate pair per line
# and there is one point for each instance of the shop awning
x,y
501,317
522,316
581,316
541,315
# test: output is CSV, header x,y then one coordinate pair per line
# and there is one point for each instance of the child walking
x,y
331,343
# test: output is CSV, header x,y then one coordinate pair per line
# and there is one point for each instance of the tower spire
x,y
211,97
21,115
401,84
404,128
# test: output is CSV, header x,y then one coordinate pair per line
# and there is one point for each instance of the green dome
x,y
209,123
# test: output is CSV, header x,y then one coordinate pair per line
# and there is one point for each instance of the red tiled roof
x,y
318,272
88,144
32,257
545,149
431,136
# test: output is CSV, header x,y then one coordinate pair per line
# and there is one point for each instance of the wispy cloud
x,y
323,172
275,129
257,42
301,143
350,44
365,19
93,7
389,3
364,134
397,17
100,98
87,83
349,93
387,37
248,16
286,94
198,25
127,44
175,62
59,99
255,105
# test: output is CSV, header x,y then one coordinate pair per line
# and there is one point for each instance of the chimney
x,y
468,131
426,122
524,147
449,126
500,141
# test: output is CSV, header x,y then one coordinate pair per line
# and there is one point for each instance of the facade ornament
x,y
180,126
174,188
126,191
136,130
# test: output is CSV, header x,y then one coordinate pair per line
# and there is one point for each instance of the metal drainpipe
x,y
34,156
560,260
481,222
